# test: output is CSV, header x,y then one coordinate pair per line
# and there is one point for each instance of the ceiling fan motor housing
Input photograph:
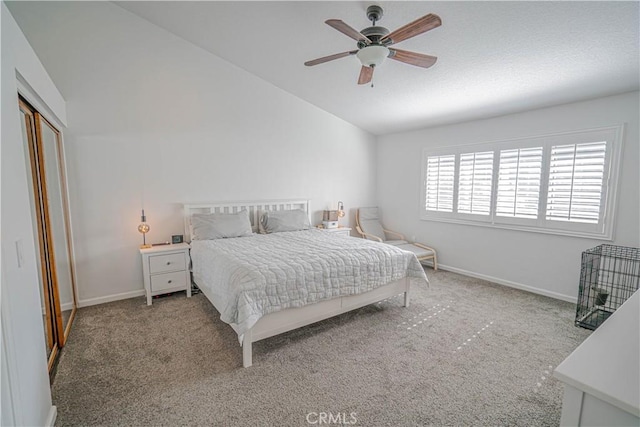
x,y
375,33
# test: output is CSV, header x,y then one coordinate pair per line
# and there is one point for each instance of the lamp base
x,y
145,246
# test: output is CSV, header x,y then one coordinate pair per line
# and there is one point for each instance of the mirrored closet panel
x,y
50,211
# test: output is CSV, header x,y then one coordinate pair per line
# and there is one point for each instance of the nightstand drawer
x,y
338,231
169,262
161,282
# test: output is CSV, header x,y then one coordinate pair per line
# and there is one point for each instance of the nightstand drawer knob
x,y
168,262
170,281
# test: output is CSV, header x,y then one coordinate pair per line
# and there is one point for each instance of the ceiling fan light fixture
x,y
372,55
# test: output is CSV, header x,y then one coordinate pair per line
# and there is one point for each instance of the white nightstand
x,y
341,231
166,269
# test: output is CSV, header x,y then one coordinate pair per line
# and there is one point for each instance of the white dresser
x,y
166,269
602,376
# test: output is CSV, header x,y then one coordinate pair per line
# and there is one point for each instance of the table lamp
x,y
144,229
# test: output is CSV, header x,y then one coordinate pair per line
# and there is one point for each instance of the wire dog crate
x,y
609,276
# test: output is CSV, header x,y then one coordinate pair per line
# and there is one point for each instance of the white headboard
x,y
253,207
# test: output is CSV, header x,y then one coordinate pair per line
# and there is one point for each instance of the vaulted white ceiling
x,y
494,58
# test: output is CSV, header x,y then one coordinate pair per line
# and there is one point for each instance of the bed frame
x,y
286,320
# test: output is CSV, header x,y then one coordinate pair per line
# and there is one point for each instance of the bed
x,y
294,275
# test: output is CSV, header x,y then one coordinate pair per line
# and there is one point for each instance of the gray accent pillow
x,y
220,225
278,221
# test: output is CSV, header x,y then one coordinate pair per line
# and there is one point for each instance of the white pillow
x,y
278,221
220,225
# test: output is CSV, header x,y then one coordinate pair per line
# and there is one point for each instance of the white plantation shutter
x,y
519,177
575,182
563,183
474,183
439,183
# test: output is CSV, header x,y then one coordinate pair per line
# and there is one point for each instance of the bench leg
x,y
406,299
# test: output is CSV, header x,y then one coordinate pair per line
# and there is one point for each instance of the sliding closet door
x,y
50,209
51,147
29,136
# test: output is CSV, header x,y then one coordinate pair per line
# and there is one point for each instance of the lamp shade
x,y
372,55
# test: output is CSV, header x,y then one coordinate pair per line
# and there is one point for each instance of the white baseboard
x,y
51,418
110,298
509,283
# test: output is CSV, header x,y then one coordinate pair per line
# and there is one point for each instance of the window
x,y
439,183
561,184
519,183
575,182
474,183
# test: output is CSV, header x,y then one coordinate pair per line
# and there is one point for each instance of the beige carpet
x,y
466,352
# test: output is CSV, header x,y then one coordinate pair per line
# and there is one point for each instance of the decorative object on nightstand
x,y
166,269
144,229
177,238
330,218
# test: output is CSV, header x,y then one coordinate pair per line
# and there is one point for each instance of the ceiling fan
x,y
373,43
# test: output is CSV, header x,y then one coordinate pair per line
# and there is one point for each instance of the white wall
x,y
153,118
543,263
26,398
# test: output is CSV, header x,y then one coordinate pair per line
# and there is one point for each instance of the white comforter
x,y
253,276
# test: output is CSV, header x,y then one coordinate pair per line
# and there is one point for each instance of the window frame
x,y
612,135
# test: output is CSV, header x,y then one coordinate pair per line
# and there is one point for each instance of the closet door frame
x,y
57,332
